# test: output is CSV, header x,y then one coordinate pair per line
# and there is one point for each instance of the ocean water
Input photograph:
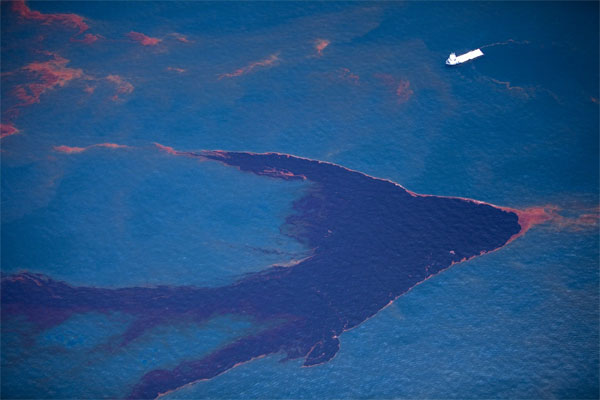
x,y
517,127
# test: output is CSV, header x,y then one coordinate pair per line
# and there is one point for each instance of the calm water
x,y
518,128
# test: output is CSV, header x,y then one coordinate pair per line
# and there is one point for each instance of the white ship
x,y
454,59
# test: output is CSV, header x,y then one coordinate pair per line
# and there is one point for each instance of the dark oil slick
x,y
372,241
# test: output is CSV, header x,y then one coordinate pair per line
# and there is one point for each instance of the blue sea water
x,y
518,128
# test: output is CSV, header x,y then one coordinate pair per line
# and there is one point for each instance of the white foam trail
x,y
509,41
